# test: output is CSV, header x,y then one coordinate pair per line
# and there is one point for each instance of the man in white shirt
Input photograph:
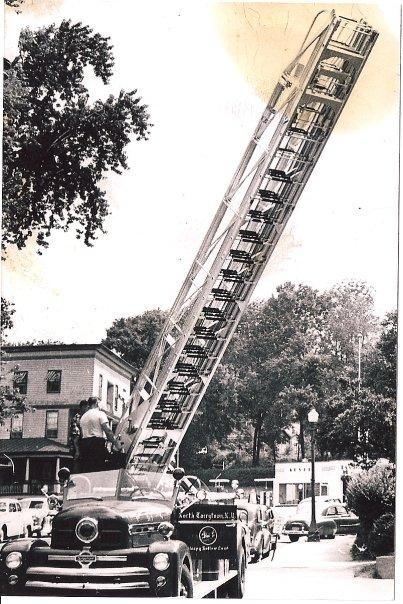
x,y
95,430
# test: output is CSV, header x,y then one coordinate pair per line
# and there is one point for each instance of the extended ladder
x,y
274,169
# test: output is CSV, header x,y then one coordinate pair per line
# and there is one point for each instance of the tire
x,y
236,587
258,555
331,536
186,583
293,538
3,534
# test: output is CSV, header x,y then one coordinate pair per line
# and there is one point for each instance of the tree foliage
x,y
380,373
58,145
7,311
132,338
359,424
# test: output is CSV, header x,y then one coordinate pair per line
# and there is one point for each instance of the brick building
x,y
55,378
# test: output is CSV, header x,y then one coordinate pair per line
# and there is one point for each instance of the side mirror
x,y
63,475
178,474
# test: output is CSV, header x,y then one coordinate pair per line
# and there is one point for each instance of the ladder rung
x,y
268,195
204,333
241,256
177,387
222,294
231,275
213,313
193,350
260,215
250,236
186,369
279,175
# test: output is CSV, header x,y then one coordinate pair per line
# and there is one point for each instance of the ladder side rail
x,y
214,271
264,121
204,249
260,267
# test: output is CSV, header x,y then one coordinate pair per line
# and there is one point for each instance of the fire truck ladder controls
x,y
290,136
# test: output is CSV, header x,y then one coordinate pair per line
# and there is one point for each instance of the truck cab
x,y
134,532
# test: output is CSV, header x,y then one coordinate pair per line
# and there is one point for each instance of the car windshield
x,y
37,505
125,485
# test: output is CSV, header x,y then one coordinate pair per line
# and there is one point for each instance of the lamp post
x,y
313,533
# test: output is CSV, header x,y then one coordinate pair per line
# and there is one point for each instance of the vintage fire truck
x,y
145,528
147,533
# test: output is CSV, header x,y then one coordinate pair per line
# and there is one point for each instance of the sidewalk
x,y
316,571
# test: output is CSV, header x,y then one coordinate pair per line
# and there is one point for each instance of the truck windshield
x,y
120,484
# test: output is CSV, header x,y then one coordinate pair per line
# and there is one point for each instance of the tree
x,y
11,401
351,314
7,311
57,145
13,3
213,421
358,424
382,363
133,338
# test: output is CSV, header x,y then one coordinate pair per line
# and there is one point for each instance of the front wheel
x,y
186,583
293,538
236,587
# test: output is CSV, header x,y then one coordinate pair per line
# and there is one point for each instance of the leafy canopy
x,y
58,145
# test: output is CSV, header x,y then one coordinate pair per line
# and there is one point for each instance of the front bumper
x,y
295,532
105,579
50,570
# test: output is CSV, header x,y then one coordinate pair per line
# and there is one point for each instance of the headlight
x,y
14,560
165,529
201,495
161,561
87,529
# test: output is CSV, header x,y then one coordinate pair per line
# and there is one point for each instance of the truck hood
x,y
133,512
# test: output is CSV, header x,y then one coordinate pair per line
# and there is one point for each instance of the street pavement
x,y
315,571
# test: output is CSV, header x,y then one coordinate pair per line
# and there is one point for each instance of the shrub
x,y
381,539
371,493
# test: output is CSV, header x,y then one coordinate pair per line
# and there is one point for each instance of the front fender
x,y
166,583
24,546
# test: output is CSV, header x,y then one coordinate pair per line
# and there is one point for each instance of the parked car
x,y
320,502
40,508
298,526
14,521
347,523
258,518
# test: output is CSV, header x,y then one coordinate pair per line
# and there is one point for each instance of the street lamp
x,y
313,533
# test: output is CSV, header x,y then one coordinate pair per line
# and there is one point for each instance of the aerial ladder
x,y
277,163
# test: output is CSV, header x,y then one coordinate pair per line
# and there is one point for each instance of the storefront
x,y
292,481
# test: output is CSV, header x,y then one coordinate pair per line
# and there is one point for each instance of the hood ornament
x,y
85,558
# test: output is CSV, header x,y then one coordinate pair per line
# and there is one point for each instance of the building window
x,y
54,381
21,381
16,426
52,419
116,397
109,396
100,384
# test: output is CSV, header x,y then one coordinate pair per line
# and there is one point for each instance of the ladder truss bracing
x,y
270,178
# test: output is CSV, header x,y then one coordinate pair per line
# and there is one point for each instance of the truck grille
x,y
108,572
112,535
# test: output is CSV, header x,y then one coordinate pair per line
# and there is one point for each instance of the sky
x,y
205,71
